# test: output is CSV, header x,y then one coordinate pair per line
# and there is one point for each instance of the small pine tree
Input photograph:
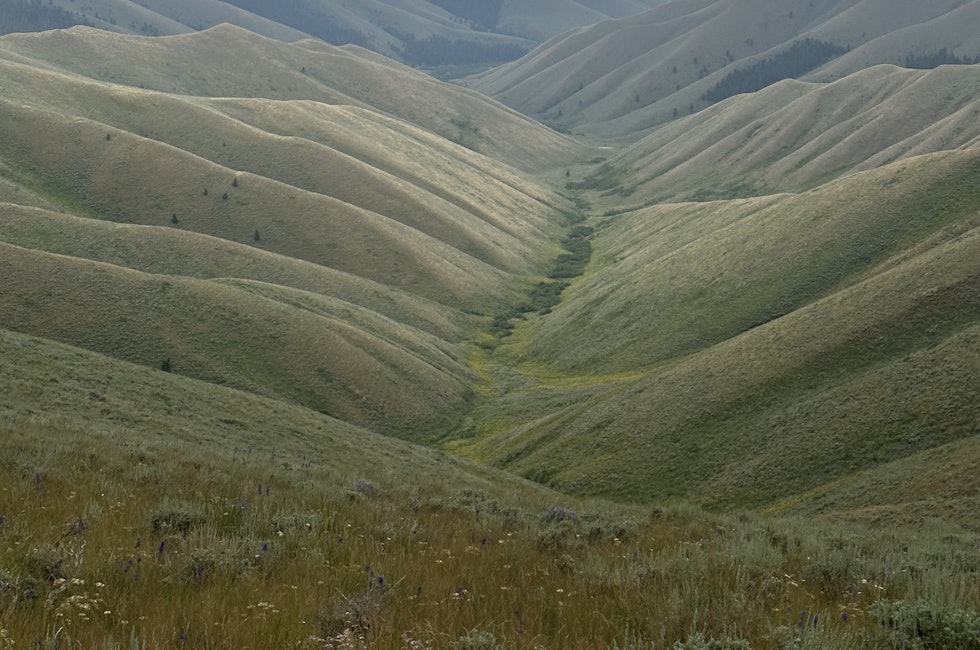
x,y
234,183
205,191
166,365
225,196
256,237
173,219
108,136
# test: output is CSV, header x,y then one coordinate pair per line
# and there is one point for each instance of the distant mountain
x,y
624,77
417,32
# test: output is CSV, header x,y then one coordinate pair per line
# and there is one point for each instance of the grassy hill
x,y
621,78
146,508
748,352
359,250
793,136
238,274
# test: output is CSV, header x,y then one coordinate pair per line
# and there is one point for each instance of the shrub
x,y
697,641
174,521
478,641
356,613
925,625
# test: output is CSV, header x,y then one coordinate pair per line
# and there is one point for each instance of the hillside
x,y
793,136
332,254
625,77
756,351
417,32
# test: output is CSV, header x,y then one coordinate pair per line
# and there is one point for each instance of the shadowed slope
x,y
62,386
419,32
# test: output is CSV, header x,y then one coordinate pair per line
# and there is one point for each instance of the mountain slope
x,y
748,352
794,135
621,78
329,254
230,62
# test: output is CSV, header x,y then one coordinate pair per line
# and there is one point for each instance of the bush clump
x,y
923,625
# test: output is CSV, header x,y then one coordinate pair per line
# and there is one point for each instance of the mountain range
x,y
622,77
419,32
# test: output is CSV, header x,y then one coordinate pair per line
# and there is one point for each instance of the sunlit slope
x,y
794,135
620,78
327,252
173,251
227,61
673,279
748,352
138,180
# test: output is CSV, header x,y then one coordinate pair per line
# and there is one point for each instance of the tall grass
x,y
108,541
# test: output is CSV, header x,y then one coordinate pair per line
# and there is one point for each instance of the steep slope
x,y
620,78
746,352
333,255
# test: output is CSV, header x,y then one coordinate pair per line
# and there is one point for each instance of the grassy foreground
x,y
155,543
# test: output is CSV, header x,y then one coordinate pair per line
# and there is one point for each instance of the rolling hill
x,y
300,347
755,351
371,243
621,78
796,135
771,303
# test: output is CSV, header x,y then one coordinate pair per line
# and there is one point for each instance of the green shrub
x,y
697,641
923,625
478,641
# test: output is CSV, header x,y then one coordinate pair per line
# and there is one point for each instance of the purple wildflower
x,y
162,548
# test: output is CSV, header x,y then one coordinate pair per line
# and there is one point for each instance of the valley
x,y
305,347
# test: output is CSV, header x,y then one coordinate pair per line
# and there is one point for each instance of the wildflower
x,y
162,548
844,617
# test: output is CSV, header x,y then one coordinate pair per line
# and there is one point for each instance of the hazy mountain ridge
x,y
418,32
625,77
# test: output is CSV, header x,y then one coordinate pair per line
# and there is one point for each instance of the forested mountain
x,y
33,16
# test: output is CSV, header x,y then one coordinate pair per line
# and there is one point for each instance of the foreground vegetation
x,y
112,541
